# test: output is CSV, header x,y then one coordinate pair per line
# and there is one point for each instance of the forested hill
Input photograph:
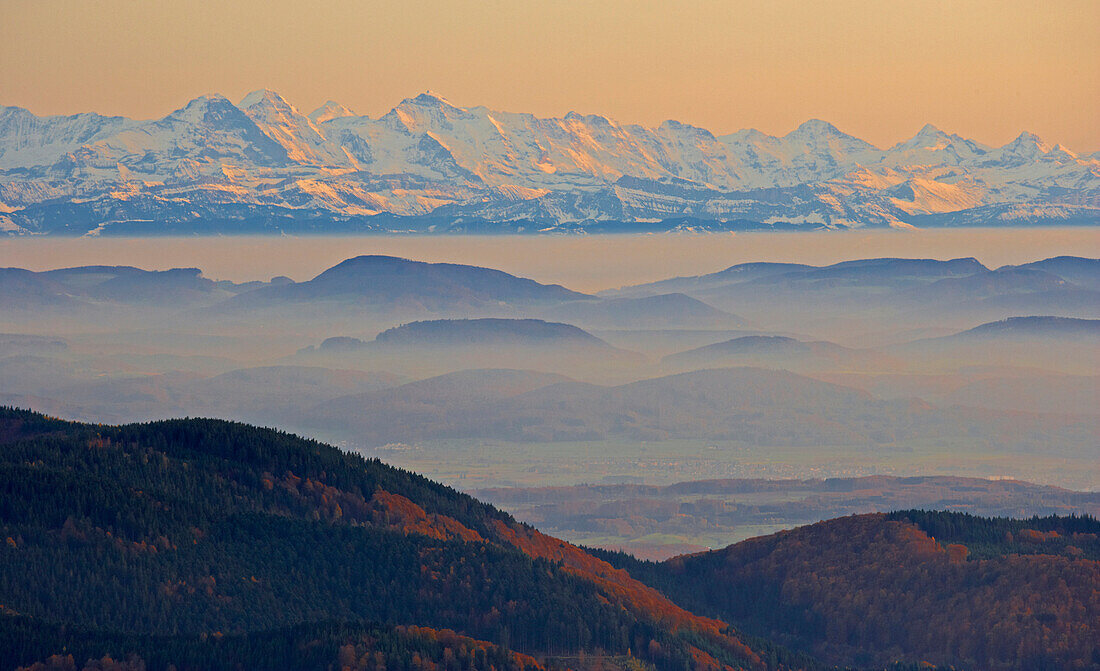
x,y
203,544
941,587
219,545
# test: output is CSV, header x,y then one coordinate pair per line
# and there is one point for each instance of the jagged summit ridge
x,y
428,157
329,111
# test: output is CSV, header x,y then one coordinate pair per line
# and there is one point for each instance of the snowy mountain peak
x,y
933,148
7,111
1063,152
208,100
207,109
677,126
1027,143
299,136
928,137
264,98
428,99
427,157
330,110
825,140
1029,148
750,135
929,133
595,120
815,127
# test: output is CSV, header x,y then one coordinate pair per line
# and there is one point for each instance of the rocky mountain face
x,y
428,165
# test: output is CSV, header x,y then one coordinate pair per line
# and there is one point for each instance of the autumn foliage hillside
x,y
203,528
870,590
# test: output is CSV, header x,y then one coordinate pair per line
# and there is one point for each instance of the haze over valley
x,y
484,379
550,336
668,468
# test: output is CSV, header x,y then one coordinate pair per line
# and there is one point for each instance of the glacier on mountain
x,y
431,166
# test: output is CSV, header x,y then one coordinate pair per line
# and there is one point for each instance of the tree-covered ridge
x,y
869,590
986,537
192,527
310,647
16,424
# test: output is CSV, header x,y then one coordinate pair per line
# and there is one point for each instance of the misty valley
x,y
738,464
549,336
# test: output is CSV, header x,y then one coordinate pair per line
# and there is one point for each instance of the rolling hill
x,y
909,586
488,332
1063,344
1036,327
393,284
207,544
889,293
778,352
89,290
753,405
206,538
663,311
658,522
428,348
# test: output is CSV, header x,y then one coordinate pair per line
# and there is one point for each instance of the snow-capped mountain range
x,y
427,165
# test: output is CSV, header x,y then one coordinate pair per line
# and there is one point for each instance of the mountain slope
x,y
199,527
946,588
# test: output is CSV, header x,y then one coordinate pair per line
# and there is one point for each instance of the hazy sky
x,y
877,69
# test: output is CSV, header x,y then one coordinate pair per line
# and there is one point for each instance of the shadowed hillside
x,y
193,528
947,588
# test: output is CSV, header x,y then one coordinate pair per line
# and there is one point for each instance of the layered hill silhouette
x,y
675,310
1064,344
205,538
386,281
910,292
861,276
262,394
1036,327
786,295
433,347
778,352
1080,271
490,332
88,291
754,405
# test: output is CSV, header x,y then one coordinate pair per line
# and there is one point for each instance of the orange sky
x,y
877,69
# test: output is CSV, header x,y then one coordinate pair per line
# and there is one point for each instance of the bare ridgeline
x,y
662,419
